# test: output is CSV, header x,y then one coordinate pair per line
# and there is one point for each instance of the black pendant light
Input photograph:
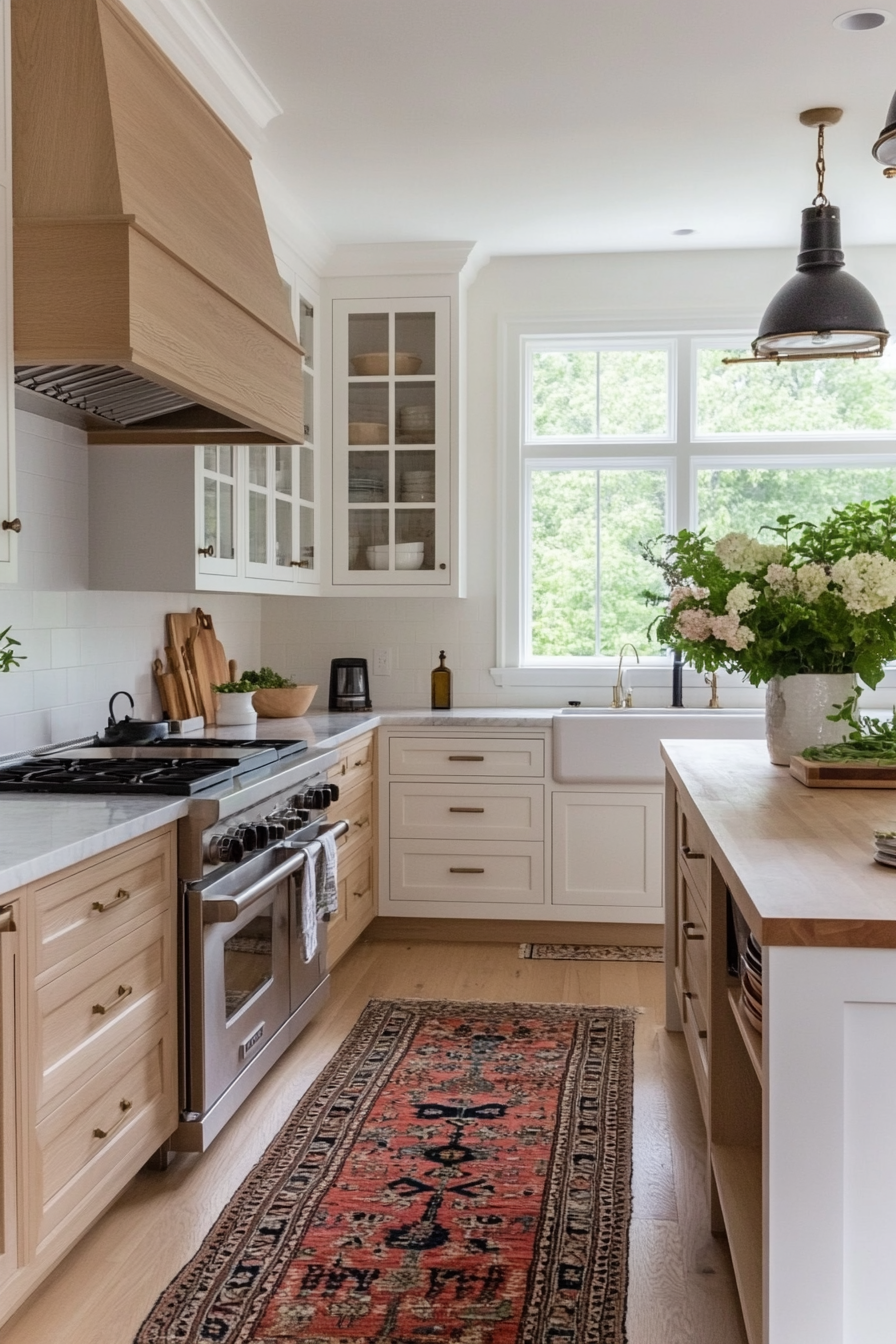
x,y
884,148
821,312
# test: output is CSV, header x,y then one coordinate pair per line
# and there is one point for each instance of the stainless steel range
x,y
257,810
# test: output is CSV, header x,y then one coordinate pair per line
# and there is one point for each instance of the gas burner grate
x,y
62,775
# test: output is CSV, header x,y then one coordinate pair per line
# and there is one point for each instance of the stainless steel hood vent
x,y
147,297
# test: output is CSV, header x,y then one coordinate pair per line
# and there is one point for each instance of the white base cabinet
x,y
472,826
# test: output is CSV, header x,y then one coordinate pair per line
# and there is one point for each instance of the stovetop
x,y
175,765
70,774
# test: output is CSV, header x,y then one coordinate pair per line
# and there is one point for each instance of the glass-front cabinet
x,y
391,442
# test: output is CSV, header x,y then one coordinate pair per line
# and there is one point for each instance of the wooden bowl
x,y
284,702
376,364
367,432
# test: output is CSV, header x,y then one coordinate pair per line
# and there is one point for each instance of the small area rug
x,y
460,1173
587,952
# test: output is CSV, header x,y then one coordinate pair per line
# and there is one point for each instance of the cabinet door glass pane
x,y
258,527
225,520
368,539
308,404
306,331
368,413
283,531
415,539
283,471
217,503
258,465
415,413
368,478
225,459
368,345
306,474
415,336
306,538
415,477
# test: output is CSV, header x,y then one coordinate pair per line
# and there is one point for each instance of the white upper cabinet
x,y
9,522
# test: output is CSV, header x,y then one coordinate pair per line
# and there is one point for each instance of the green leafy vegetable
x,y
264,680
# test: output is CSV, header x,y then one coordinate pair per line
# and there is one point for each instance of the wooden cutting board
x,y
179,625
177,668
205,676
216,657
842,775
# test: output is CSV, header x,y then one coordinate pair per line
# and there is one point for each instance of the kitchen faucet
x,y
620,700
677,667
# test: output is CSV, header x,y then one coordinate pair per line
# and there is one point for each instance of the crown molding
x,y
439,258
191,36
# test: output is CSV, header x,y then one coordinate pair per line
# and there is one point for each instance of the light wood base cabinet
x,y
89,1038
354,773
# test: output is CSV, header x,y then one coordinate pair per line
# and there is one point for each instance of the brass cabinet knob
x,y
12,524
206,550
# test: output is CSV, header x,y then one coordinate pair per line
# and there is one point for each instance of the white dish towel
x,y
318,898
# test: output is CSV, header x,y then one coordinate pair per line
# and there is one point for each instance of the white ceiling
x,y
535,126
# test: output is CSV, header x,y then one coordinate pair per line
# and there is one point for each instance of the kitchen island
x,y
801,1117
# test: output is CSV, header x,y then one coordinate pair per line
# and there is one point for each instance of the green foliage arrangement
x,y
264,680
871,741
821,597
8,657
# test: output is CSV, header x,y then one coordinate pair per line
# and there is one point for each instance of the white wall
x,y
81,645
716,289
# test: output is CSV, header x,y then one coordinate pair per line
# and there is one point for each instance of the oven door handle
x,y
226,910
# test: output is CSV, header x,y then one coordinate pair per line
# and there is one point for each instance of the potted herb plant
x,y
806,612
8,656
267,695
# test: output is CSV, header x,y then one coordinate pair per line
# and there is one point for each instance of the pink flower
x,y
729,629
694,623
682,591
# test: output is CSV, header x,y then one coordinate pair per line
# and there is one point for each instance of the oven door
x,y
238,930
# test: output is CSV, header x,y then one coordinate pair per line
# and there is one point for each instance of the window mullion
x,y
597,601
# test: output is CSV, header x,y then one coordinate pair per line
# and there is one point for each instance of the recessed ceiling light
x,y
680,233
862,20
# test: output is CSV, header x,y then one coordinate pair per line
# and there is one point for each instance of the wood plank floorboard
x,y
682,1287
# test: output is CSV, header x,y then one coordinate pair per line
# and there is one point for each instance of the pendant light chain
x,y
820,198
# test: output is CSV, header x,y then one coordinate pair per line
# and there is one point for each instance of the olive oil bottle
x,y
440,679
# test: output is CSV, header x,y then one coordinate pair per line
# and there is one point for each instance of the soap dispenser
x,y
441,684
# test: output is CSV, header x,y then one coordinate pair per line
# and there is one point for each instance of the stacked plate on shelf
x,y
418,487
366,489
751,982
416,424
885,848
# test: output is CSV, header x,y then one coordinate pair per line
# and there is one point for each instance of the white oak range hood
x,y
147,298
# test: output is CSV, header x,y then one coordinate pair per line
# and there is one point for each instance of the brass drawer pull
x,y
466,870
359,894
466,809
689,853
12,524
466,758
344,766
365,821
687,928
123,992
358,764
124,1106
121,897
702,1035
7,923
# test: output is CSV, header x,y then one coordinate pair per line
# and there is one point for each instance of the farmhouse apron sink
x,y
622,746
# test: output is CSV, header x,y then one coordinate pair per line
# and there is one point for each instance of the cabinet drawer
x,y
455,871
357,809
72,1161
466,756
359,909
482,812
91,902
130,981
355,763
694,1024
693,853
694,955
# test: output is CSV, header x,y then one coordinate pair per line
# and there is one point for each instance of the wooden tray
x,y
845,775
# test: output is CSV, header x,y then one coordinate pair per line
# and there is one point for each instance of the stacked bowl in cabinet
x,y
751,982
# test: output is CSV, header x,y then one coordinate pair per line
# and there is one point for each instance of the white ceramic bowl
x,y
377,561
409,561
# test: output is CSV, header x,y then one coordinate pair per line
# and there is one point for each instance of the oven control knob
x,y
246,835
277,830
262,834
334,792
317,800
224,849
291,821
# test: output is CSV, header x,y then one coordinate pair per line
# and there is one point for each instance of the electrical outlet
x,y
382,662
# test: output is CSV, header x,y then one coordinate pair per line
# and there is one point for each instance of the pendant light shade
x,y
821,312
884,148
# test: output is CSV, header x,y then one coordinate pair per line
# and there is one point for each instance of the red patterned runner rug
x,y
460,1173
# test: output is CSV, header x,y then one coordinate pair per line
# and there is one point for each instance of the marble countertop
x,y
41,833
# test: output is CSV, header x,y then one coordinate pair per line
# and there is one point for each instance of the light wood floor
x,y
681,1288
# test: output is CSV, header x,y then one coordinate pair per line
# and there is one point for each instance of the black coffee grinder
x,y
349,684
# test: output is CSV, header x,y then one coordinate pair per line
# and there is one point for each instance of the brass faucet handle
x,y
629,702
712,682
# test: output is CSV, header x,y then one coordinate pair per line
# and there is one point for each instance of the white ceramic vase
x,y
796,710
235,707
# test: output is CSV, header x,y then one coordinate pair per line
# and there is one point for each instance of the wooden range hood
x,y
146,292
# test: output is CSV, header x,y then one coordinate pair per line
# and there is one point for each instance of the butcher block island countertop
x,y
798,861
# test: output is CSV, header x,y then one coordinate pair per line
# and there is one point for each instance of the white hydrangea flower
x,y
682,591
694,623
742,554
781,579
812,580
729,629
867,582
741,598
